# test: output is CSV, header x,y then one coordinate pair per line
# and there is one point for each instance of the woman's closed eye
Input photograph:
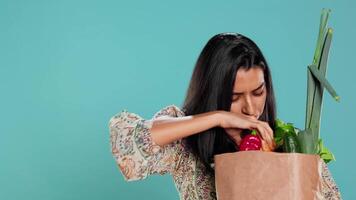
x,y
237,97
258,93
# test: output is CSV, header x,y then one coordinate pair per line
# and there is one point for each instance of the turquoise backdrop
x,y
67,66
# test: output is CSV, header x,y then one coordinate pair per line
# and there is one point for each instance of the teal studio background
x,y
66,67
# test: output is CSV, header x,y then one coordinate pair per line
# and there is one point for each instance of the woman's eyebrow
x,y
259,87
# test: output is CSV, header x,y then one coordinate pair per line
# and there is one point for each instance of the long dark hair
x,y
211,87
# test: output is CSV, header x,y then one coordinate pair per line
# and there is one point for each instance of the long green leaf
x,y
315,117
307,141
322,32
324,82
310,98
316,59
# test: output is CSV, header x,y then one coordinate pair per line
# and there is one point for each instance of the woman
x,y
230,92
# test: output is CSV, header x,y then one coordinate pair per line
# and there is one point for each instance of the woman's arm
x,y
168,129
133,149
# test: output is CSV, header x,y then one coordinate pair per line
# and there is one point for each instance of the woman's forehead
x,y
248,80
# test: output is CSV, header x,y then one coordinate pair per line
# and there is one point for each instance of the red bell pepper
x,y
251,142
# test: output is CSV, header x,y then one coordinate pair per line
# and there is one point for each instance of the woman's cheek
x,y
234,107
261,104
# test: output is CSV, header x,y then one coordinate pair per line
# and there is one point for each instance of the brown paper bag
x,y
267,175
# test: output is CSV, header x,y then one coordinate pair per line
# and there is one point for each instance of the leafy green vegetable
x,y
292,140
291,144
285,136
324,153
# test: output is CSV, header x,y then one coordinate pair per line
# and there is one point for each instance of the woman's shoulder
x,y
170,110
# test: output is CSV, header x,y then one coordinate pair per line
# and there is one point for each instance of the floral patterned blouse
x,y
137,157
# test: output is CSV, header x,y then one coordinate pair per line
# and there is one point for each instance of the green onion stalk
x,y
308,141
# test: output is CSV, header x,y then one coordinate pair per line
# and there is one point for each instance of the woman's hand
x,y
234,123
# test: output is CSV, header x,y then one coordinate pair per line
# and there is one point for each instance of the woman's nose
x,y
248,108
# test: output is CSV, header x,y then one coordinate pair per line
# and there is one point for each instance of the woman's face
x,y
249,92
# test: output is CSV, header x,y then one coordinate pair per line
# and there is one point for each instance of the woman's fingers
x,y
265,146
267,134
269,138
264,130
258,127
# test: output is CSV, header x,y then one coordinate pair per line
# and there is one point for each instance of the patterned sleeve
x,y
133,149
330,190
